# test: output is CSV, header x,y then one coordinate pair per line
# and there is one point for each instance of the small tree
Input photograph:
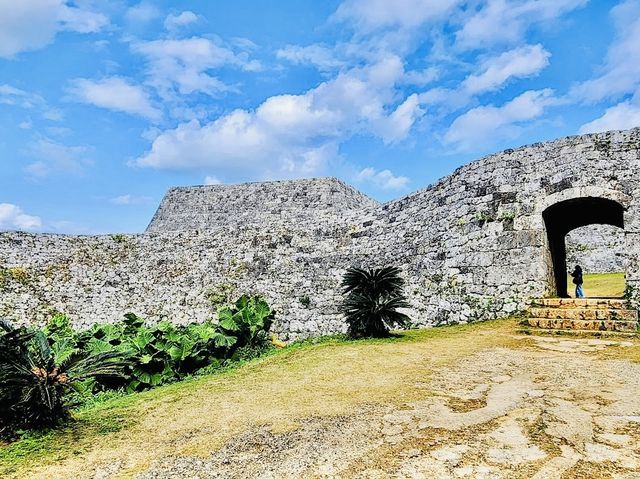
x,y
36,377
372,300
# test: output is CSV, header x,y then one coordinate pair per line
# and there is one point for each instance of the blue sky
x,y
106,104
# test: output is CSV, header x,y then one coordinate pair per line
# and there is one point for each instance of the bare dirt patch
x,y
487,404
539,413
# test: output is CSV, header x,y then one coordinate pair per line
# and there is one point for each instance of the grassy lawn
x,y
600,285
195,417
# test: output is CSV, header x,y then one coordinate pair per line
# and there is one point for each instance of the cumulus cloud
x,y
370,15
623,116
494,72
142,12
114,93
31,24
12,217
52,157
502,21
382,179
293,135
621,70
184,64
487,124
175,22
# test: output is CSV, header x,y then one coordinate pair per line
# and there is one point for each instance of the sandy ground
x,y
553,409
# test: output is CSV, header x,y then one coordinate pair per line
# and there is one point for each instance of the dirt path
x,y
553,408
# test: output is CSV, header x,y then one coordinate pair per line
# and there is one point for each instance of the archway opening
x,y
564,217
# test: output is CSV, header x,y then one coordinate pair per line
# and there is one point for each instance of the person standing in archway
x,y
577,280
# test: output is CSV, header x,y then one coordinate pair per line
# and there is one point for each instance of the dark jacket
x,y
577,276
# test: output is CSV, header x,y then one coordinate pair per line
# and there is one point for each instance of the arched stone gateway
x,y
565,216
478,244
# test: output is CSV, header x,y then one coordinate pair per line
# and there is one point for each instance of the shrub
x,y
248,320
372,300
37,377
162,353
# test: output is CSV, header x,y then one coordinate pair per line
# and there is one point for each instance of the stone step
x,y
573,303
574,332
584,313
581,324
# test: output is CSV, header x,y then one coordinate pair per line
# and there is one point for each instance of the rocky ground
x,y
478,401
551,410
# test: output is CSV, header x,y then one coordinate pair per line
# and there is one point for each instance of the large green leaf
x,y
182,350
62,350
142,339
95,345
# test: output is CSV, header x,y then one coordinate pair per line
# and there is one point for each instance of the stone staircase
x,y
589,315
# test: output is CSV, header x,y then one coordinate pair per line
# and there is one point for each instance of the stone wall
x,y
597,248
303,203
472,246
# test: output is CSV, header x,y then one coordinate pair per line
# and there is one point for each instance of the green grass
x,y
327,377
600,285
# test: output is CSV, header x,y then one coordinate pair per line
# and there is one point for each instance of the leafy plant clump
x,y
44,372
162,353
37,377
248,320
372,300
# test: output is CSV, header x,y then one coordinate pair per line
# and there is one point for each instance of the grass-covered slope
x,y
333,381
194,417
600,285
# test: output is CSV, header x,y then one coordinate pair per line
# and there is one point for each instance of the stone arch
x,y
568,210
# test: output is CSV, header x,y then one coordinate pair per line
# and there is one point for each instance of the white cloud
x,y
211,180
52,157
397,125
517,63
621,70
382,179
369,15
623,116
503,21
184,64
31,24
13,218
114,93
175,22
129,199
421,77
293,135
321,56
143,12
485,125
10,95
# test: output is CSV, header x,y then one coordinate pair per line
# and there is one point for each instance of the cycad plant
x,y
35,377
372,300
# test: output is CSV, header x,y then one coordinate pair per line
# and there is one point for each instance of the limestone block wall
x,y
597,248
303,203
472,246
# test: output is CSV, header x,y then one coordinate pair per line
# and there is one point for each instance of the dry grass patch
x,y
196,417
600,285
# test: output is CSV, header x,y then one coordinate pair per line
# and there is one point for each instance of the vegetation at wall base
x,y
37,376
46,372
372,300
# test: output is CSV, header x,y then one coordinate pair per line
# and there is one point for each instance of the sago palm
x,y
372,300
35,377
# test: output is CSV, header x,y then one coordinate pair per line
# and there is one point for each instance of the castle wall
x,y
597,248
472,246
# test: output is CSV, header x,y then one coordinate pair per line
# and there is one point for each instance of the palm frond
x,y
372,300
